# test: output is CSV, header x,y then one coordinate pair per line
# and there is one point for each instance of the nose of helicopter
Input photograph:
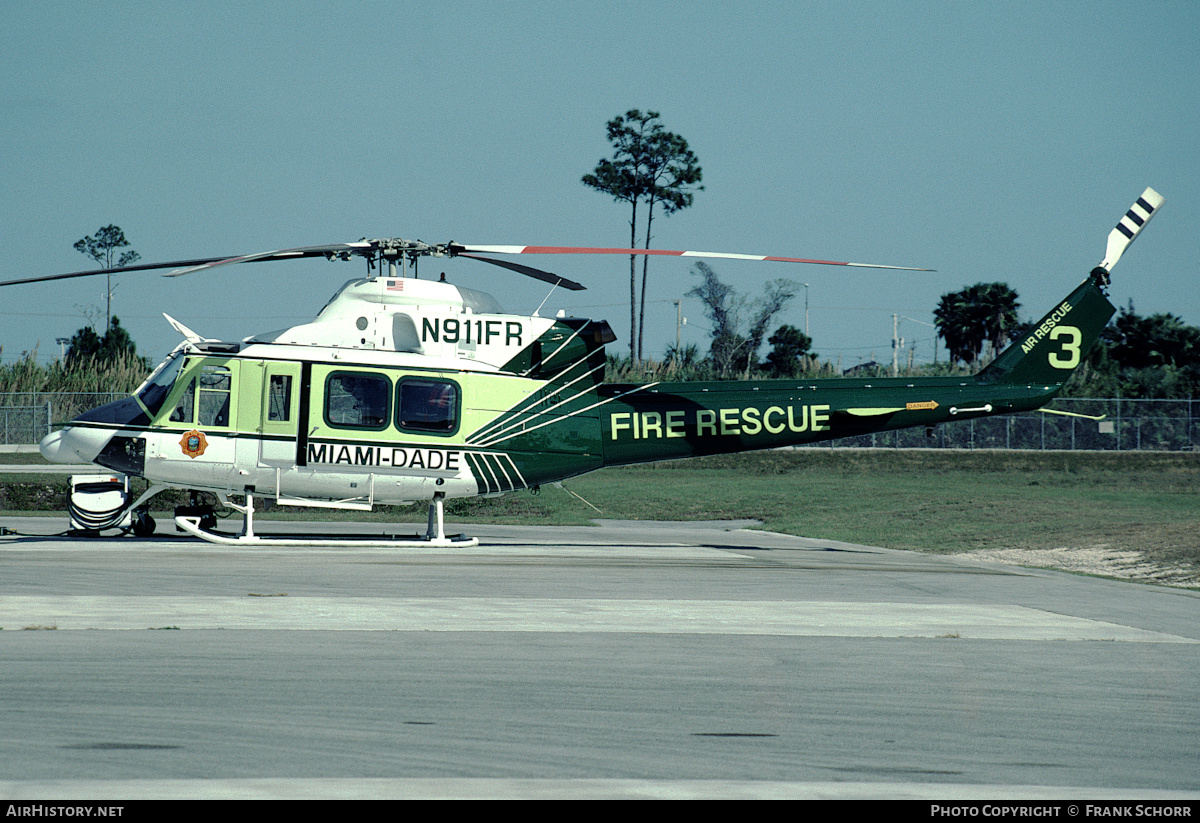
x,y
98,436
73,444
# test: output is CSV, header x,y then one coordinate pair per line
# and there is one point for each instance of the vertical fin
x,y
1056,345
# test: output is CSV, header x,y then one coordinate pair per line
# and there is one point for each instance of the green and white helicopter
x,y
404,390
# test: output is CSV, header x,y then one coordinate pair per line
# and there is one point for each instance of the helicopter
x,y
404,389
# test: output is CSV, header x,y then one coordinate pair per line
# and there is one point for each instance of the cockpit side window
x,y
185,408
212,401
206,399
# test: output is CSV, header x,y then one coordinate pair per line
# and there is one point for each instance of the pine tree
x,y
649,165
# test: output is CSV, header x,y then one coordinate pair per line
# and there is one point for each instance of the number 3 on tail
x,y
1068,358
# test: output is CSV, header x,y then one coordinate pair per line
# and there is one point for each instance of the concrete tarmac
x,y
664,660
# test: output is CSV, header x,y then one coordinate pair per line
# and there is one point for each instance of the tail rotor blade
x,y
1130,226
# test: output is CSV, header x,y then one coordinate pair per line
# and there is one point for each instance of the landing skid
x,y
435,536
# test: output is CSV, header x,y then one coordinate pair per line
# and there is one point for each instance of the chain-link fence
x,y
24,424
1124,425
27,417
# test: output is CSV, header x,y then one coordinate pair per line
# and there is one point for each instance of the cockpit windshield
x,y
158,385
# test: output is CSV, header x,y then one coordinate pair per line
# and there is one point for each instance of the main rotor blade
x,y
537,274
280,254
400,247
117,270
463,249
198,264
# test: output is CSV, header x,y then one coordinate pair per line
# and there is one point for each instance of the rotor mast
x,y
395,251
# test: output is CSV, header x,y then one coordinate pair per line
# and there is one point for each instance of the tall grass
x,y
627,370
122,375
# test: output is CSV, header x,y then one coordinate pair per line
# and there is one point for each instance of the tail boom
x,y
677,420
674,420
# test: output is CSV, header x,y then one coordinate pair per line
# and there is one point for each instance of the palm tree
x,y
979,314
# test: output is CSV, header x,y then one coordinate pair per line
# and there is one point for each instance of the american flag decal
x,y
395,285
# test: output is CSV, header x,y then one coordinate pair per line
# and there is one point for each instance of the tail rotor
x,y
1130,226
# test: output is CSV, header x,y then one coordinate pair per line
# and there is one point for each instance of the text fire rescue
x,y
717,422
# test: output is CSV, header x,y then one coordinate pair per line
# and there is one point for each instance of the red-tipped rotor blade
x,y
664,252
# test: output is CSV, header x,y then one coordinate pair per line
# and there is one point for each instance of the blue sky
x,y
989,141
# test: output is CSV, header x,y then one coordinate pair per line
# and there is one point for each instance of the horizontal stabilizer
x,y
874,412
1130,226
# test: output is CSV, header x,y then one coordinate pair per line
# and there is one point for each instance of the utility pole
x,y
678,324
897,344
108,303
806,334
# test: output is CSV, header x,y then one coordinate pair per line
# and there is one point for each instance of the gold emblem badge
x,y
193,443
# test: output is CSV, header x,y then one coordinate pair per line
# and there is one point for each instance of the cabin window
x,y
357,400
427,405
279,398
